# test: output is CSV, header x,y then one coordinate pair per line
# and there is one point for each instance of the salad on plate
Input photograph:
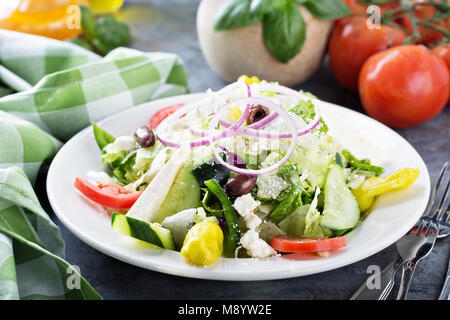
x,y
250,171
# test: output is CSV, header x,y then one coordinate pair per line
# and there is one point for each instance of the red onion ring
x,y
182,111
252,100
251,129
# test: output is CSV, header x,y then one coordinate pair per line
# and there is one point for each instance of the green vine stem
x,y
407,9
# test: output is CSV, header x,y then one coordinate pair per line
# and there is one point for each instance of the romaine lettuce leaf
x,y
305,109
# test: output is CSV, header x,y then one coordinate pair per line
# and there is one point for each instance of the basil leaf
x,y
261,7
327,9
284,31
110,34
87,22
235,14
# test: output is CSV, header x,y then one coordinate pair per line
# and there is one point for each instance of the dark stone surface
x,y
169,25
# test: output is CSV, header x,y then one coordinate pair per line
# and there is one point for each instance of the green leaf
x,y
305,110
236,14
327,9
102,34
284,31
110,34
262,7
102,137
87,22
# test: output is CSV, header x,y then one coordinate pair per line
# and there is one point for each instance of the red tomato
x,y
356,7
108,195
444,53
285,243
160,115
404,86
352,42
424,13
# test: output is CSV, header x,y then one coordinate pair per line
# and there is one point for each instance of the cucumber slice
x,y
341,211
149,232
184,194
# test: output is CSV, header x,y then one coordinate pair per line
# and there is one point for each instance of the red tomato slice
x,y
285,243
160,115
108,195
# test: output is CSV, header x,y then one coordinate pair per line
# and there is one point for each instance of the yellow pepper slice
x,y
203,244
375,186
249,80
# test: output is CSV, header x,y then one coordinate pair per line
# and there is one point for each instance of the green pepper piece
x,y
206,204
232,233
363,164
102,137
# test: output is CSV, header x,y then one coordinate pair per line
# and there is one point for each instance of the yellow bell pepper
x,y
249,80
375,186
203,244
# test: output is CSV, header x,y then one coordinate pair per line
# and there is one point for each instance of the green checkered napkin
x,y
49,91
32,264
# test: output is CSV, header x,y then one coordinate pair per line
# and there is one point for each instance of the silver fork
x,y
387,275
418,244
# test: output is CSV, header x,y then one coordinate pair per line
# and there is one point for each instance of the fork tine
x,y
443,204
438,214
447,214
429,213
435,189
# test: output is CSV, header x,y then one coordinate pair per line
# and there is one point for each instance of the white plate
x,y
394,214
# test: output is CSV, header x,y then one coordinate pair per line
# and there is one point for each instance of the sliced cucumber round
x,y
341,211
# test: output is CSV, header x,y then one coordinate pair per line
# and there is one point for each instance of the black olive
x,y
239,185
145,137
257,113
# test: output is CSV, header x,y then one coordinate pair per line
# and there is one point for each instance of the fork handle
x,y
407,275
386,281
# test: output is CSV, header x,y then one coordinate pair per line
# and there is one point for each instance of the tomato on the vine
x,y
352,42
404,86
425,13
443,52
357,7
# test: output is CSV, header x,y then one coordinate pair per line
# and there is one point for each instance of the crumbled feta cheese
x,y
252,221
269,187
246,205
256,247
124,143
